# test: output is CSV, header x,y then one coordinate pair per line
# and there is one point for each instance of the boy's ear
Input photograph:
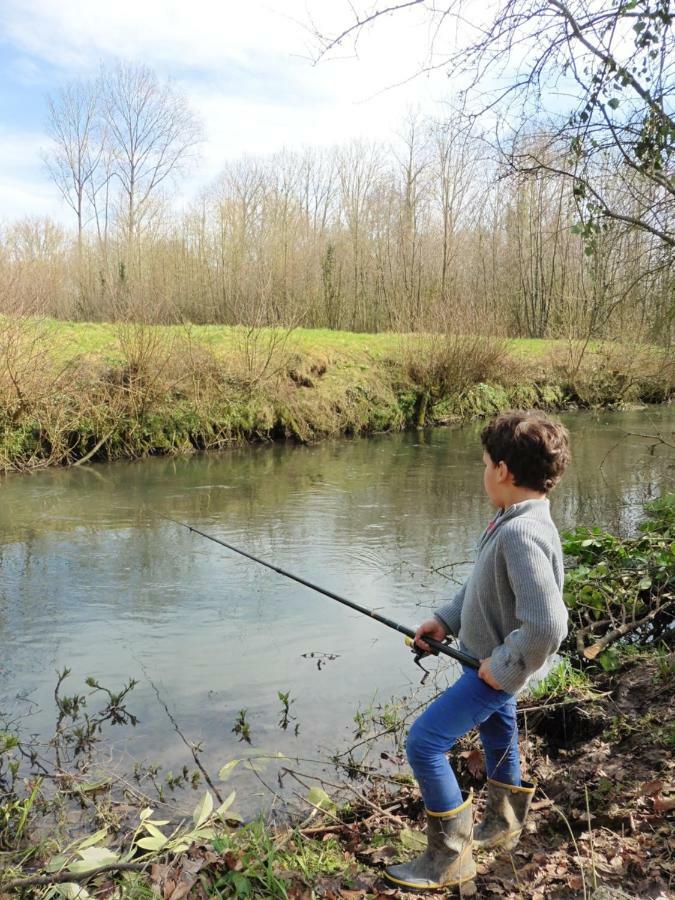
x,y
504,475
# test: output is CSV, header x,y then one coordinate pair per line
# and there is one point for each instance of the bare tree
x,y
615,64
77,145
455,159
152,131
358,167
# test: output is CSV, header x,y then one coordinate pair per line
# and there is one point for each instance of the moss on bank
x,y
75,392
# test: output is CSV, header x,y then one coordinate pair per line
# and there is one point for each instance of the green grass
x,y
266,863
562,682
77,338
105,391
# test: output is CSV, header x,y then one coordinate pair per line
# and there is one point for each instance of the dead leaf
x,y
300,893
183,889
664,804
651,788
475,763
380,854
159,871
232,861
528,869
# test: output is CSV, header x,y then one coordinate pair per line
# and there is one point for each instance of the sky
x,y
248,70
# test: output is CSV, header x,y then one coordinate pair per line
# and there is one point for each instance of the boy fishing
x,y
510,614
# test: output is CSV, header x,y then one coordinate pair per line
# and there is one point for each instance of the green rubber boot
x,y
447,861
505,813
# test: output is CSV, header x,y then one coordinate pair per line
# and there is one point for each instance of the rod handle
x,y
410,642
439,647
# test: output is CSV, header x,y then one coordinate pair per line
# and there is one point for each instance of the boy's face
x,y
495,478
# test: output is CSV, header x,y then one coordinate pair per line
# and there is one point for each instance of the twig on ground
x,y
62,877
613,636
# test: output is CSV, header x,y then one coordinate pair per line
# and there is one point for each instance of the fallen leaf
x,y
380,854
651,788
475,763
664,804
413,840
232,861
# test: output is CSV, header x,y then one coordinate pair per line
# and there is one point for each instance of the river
x,y
93,578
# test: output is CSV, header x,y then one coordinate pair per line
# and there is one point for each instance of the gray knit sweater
x,y
511,608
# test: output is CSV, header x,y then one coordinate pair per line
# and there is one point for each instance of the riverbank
x,y
597,735
601,824
73,393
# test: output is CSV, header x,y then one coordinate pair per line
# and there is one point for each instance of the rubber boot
x,y
447,861
505,813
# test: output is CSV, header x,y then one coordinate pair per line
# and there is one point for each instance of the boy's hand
x,y
431,628
485,674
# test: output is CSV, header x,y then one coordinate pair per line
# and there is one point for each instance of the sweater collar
x,y
535,508
538,509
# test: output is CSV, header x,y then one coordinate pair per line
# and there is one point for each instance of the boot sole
x,y
508,842
433,886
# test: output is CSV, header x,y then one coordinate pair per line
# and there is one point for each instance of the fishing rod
x,y
437,646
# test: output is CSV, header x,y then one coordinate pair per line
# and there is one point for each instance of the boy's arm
x,y
539,608
450,613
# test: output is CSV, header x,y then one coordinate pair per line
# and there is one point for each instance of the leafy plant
x,y
621,585
286,718
242,727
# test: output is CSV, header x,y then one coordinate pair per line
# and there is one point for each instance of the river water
x,y
93,579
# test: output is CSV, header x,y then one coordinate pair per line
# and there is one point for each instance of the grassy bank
x,y
77,392
597,735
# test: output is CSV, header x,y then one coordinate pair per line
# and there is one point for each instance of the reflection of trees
x,y
338,512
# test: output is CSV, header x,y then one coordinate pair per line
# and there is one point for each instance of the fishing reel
x,y
420,655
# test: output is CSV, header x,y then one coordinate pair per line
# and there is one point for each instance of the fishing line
x,y
437,646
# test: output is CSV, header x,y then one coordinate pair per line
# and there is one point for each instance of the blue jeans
x,y
468,702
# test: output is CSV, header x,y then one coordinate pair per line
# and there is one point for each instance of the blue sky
x,y
246,68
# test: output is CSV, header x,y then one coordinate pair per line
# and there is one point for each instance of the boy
x,y
510,614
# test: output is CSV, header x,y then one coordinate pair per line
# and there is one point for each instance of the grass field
x,y
75,338
73,392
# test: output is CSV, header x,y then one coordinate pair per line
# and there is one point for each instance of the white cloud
x,y
23,196
245,67
25,188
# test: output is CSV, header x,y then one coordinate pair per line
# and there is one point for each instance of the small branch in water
x,y
658,438
94,449
194,750
438,570
460,562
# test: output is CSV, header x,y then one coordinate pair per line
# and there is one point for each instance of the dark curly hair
x,y
534,448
